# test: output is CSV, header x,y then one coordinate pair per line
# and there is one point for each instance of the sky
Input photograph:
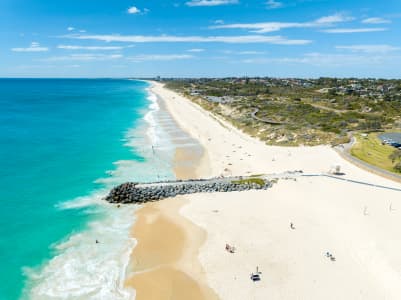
x,y
200,38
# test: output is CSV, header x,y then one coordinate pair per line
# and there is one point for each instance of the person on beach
x,y
230,249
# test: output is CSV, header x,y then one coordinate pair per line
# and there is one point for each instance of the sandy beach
x,y
181,241
165,262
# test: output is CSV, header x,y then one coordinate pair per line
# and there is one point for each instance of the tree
x,y
397,167
332,92
396,155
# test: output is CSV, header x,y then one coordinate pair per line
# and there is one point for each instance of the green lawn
x,y
258,181
371,150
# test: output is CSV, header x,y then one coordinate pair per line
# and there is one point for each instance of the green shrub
x,y
258,181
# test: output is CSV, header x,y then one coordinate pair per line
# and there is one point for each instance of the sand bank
x,y
358,224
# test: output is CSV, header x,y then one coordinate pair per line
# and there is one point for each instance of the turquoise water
x,y
62,144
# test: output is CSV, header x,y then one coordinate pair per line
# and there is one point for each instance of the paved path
x,y
341,111
288,174
353,181
344,152
268,121
267,177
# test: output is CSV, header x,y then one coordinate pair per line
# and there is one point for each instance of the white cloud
x,y
218,22
336,18
353,30
196,50
84,57
210,2
278,40
133,10
256,60
265,27
320,59
160,57
261,27
375,21
34,47
250,52
70,28
326,60
243,52
94,48
369,48
272,4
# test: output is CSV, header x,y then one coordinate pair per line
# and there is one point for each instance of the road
x,y
344,151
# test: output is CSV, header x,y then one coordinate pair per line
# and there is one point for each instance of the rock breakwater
x,y
132,192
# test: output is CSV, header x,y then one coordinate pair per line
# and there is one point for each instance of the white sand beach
x,y
358,224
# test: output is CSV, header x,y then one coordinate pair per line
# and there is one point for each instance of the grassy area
x,y
258,181
371,150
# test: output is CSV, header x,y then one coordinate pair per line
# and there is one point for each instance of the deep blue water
x,y
57,137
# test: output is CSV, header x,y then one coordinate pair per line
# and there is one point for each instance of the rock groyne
x,y
132,192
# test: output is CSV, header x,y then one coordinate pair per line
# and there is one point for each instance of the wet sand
x,y
164,264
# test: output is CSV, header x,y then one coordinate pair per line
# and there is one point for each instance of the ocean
x,y
63,144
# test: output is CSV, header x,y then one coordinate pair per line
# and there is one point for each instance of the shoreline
x,y
164,261
354,223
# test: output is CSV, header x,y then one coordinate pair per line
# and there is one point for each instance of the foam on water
x,y
150,118
94,199
82,268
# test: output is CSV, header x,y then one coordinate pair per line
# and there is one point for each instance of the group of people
x,y
230,249
254,276
329,255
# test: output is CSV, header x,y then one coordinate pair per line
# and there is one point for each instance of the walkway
x,y
344,152
268,121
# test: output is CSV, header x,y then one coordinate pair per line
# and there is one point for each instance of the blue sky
x,y
193,38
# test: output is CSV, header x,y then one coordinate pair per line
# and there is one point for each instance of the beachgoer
x,y
230,249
